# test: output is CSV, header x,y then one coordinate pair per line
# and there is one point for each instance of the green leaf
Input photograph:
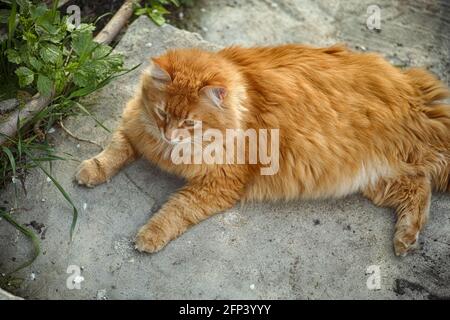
x,y
157,18
101,51
44,85
157,8
81,78
156,12
35,63
24,5
83,43
26,76
30,38
38,11
47,21
50,53
140,11
13,56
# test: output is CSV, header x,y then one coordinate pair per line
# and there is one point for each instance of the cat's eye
x,y
189,123
161,113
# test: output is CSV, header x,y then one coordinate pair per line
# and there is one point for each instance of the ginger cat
x,y
348,122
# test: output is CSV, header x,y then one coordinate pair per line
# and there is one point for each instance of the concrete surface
x,y
4,295
412,32
296,250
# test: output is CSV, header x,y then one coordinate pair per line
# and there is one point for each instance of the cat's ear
x,y
158,73
216,94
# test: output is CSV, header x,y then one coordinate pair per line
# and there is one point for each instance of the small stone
x,y
78,279
8,105
252,287
203,10
101,294
362,48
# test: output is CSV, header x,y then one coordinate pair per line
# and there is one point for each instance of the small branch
x,y
117,22
61,124
9,127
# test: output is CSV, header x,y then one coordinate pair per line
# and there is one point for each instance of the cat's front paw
x,y
90,173
405,241
150,239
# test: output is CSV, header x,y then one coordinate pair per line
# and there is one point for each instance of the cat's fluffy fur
x,y
349,122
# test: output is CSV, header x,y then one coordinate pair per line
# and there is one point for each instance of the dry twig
x,y
61,124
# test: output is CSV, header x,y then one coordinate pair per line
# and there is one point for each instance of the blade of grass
x,y
12,162
12,23
29,234
11,159
82,108
87,90
61,189
101,17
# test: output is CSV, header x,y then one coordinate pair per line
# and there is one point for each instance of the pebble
x,y
8,105
101,294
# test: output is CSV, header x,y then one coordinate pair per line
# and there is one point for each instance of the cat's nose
x,y
168,134
172,136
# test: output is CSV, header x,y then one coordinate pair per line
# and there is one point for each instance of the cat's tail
x,y
431,91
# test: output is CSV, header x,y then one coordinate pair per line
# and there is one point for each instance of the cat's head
x,y
187,87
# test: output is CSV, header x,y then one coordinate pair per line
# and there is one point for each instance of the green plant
x,y
50,54
41,52
156,9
